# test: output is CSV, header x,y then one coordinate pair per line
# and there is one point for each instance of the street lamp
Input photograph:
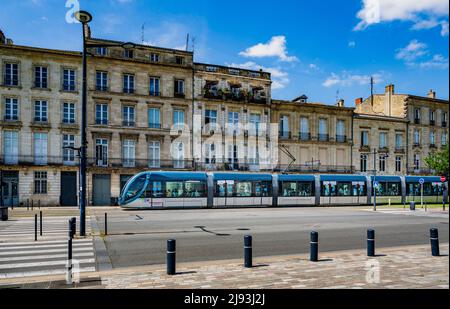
x,y
84,18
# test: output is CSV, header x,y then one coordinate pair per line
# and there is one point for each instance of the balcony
x,y
179,95
417,121
101,88
154,94
258,100
420,171
364,148
304,136
417,145
323,137
128,90
143,164
383,149
400,150
154,126
341,138
432,123
285,135
129,124
23,160
102,122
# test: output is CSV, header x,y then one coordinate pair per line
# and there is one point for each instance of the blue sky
x,y
324,49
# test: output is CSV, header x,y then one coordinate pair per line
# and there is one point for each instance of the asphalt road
x,y
139,238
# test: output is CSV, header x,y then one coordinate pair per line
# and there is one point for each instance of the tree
x,y
438,161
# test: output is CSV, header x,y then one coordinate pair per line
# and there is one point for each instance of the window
x,y
128,53
210,118
383,140
195,189
388,189
178,119
444,139
40,111
304,129
416,162
444,119
101,152
128,153
11,109
101,81
40,148
154,118
11,75
101,114
432,116
40,182
363,165
210,154
179,156
128,83
295,189
416,137
233,122
102,51
417,115
243,189
128,116
154,57
179,60
398,164
40,77
336,188
382,163
174,189
68,80
340,131
255,124
323,130
179,87
429,189
68,154
432,138
364,138
284,127
154,86
11,147
69,113
154,154
398,141
210,68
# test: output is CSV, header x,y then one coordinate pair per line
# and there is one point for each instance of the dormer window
x,y
179,60
154,57
128,53
255,74
102,51
233,71
211,69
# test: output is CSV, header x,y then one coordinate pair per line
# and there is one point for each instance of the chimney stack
x,y
432,94
341,103
358,101
2,38
390,89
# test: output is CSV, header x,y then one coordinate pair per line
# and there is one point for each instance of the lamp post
x,y
85,18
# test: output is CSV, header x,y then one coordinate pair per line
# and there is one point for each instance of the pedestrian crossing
x,y
21,256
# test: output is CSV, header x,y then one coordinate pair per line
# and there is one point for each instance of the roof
x,y
243,177
342,178
386,178
296,178
428,179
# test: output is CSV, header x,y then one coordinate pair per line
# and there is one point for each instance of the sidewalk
x,y
409,267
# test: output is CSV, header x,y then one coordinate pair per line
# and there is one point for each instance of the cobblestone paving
x,y
405,267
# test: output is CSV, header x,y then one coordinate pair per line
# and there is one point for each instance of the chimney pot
x,y
390,89
432,94
358,101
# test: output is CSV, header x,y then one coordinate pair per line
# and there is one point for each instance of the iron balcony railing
x,y
16,160
128,90
417,121
341,138
179,95
285,135
432,123
130,124
323,137
154,93
304,136
101,88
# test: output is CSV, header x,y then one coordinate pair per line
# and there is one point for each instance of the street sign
x,y
421,181
376,184
443,179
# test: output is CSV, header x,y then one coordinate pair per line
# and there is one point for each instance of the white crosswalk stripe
x,y
21,256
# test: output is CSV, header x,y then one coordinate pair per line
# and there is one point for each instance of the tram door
x,y
229,198
10,189
258,194
157,194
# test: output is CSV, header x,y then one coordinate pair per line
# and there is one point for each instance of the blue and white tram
x,y
160,190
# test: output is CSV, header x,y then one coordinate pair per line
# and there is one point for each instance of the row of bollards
x,y
36,225
32,204
314,249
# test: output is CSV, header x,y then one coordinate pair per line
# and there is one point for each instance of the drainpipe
x,y
351,145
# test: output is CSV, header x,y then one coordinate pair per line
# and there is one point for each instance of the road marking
x,y
40,264
44,257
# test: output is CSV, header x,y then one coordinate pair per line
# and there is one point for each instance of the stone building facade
x,y
152,108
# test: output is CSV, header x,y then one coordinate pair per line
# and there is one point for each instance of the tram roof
x,y
386,178
243,177
296,178
428,179
177,176
342,178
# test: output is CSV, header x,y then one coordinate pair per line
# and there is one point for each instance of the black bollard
x,y
74,227
71,232
28,204
35,227
106,223
434,239
248,251
32,204
314,254
370,243
40,223
171,257
69,261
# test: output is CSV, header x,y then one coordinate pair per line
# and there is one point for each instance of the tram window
x,y
244,189
388,189
344,189
157,190
266,188
136,186
195,189
258,189
329,188
221,188
429,189
174,190
230,188
305,189
359,188
289,189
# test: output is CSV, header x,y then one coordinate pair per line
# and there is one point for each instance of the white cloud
x,y
276,47
412,51
424,14
169,35
444,31
280,78
437,62
347,79
351,44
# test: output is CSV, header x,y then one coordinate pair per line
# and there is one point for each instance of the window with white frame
x,y
444,139
40,148
128,53
179,87
11,109
364,138
363,163
383,139
69,79
178,156
154,86
101,81
102,51
210,118
101,114
154,57
40,111
416,137
68,154
128,116
304,125
69,113
178,119
11,74
40,182
284,127
128,83
154,154
323,129
340,131
398,164
432,138
154,118
210,153
101,152
129,153
417,114
398,141
255,124
233,122
382,163
40,77
11,147
416,162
